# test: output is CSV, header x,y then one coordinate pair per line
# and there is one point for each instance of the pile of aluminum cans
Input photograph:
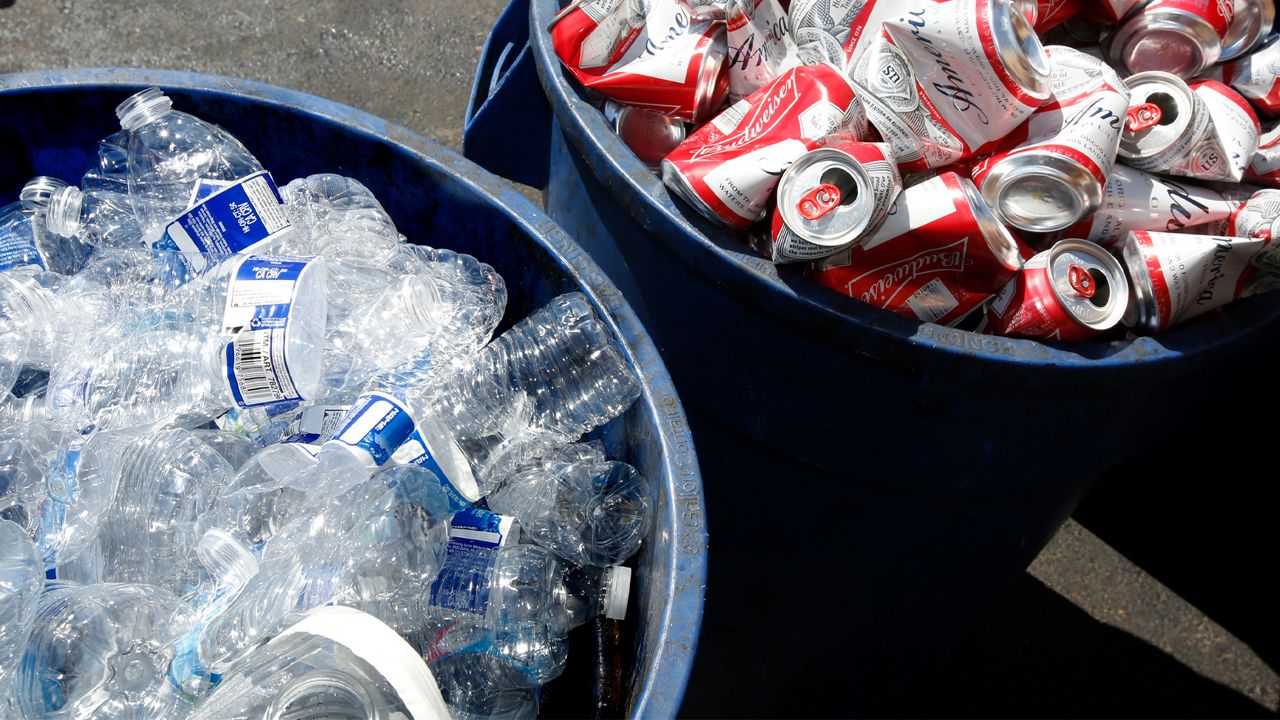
x,y
1051,169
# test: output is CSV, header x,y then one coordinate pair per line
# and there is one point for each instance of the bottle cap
x,y
617,581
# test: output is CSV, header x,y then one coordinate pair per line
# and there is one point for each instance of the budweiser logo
x,y
956,88
777,105
881,285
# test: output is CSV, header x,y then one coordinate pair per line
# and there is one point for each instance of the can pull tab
x,y
818,201
1141,117
1081,281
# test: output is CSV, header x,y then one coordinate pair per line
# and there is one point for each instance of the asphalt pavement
x,y
1153,601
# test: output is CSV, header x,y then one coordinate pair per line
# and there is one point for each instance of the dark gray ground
x,y
1154,601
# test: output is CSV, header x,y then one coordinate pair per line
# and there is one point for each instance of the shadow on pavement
x,y
1202,521
1041,656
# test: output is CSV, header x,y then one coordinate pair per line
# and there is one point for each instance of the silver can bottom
x,y
1041,191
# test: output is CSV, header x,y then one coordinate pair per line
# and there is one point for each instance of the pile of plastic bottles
x,y
228,404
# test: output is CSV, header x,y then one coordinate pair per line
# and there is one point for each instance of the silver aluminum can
x,y
650,135
1055,178
1186,141
1182,37
1257,217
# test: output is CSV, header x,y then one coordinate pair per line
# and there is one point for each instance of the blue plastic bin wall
x,y
50,124
912,470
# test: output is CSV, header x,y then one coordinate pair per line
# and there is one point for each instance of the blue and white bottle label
x,y
18,248
259,299
417,451
475,537
377,425
231,220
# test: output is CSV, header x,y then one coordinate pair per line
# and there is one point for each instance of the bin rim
x,y
787,295
675,637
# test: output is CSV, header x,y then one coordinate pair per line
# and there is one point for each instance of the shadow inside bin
x,y
1202,521
1041,656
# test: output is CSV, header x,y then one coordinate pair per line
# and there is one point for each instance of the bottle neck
x,y
142,108
38,191
64,214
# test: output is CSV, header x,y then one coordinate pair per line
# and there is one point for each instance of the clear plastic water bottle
x,y
175,158
21,580
528,586
22,470
339,218
484,673
381,541
166,480
102,651
440,303
335,663
111,172
546,381
13,351
97,218
26,240
585,509
250,335
34,309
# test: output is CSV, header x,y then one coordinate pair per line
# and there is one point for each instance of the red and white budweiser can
x,y
665,60
1108,11
760,45
1256,77
729,167
1204,131
1181,37
950,80
939,254
1177,277
1055,178
1135,200
1072,291
1264,168
829,199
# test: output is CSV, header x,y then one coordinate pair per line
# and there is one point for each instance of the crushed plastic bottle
x,y
21,580
26,239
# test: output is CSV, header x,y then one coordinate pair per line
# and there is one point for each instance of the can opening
x,y
1168,105
844,181
1102,289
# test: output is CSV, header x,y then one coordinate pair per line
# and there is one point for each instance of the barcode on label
x,y
727,121
258,371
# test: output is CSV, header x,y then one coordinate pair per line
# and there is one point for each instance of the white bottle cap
x,y
617,582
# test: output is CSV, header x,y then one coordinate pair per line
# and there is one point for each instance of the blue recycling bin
x,y
875,483
51,121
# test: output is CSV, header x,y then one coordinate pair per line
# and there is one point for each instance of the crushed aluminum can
x,y
837,31
1264,167
829,199
728,168
1256,77
938,256
760,45
950,80
1208,132
1055,177
650,135
1251,22
656,55
1074,290
1176,277
1135,200
1180,37
1257,217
